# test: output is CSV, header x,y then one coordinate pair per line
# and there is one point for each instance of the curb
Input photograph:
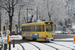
x,y
64,40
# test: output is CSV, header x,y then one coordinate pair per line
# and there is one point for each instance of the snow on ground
x,y
73,27
65,39
16,37
42,46
68,44
58,46
28,46
17,47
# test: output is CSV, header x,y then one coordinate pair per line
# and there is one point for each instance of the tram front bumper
x,y
49,39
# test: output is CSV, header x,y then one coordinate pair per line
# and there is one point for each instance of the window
x,y
49,27
23,28
28,28
43,28
33,28
38,28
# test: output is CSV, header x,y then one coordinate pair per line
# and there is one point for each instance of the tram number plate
x,y
27,33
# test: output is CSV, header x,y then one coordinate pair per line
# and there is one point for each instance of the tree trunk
x,y
10,26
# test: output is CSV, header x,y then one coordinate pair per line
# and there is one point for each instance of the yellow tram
x,y
40,31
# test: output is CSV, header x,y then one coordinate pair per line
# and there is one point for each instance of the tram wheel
x,y
34,39
23,38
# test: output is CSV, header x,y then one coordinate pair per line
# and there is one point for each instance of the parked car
x,y
20,33
0,34
14,33
73,30
58,32
68,32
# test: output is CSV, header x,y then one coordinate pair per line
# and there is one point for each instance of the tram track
x,y
35,46
63,46
51,46
46,44
22,46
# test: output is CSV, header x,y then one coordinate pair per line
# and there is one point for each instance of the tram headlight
x,y
46,36
52,35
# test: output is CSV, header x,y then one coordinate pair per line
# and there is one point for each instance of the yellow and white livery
x,y
40,31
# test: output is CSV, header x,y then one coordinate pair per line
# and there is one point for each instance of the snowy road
x,y
46,46
54,45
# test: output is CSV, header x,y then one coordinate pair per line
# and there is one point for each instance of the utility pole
x,y
19,16
19,19
0,21
27,15
37,13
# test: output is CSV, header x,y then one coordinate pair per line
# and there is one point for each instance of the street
x,y
58,36
61,41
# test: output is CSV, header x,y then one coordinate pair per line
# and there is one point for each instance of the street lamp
x,y
16,28
27,12
6,23
20,6
0,21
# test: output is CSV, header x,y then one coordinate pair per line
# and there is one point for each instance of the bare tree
x,y
50,13
9,7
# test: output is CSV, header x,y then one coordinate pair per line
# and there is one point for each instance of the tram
x,y
40,31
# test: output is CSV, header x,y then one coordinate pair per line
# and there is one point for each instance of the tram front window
x,y
49,27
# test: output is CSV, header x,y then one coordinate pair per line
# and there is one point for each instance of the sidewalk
x,y
17,47
65,40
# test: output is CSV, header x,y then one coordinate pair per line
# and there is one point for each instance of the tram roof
x,y
36,23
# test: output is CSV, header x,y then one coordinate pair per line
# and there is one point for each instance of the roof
x,y
36,23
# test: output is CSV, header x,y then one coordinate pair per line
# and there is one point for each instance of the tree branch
x,y
16,2
4,8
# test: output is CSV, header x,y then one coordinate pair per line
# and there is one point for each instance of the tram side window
x,y
43,28
36,28
23,28
39,28
33,28
28,28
